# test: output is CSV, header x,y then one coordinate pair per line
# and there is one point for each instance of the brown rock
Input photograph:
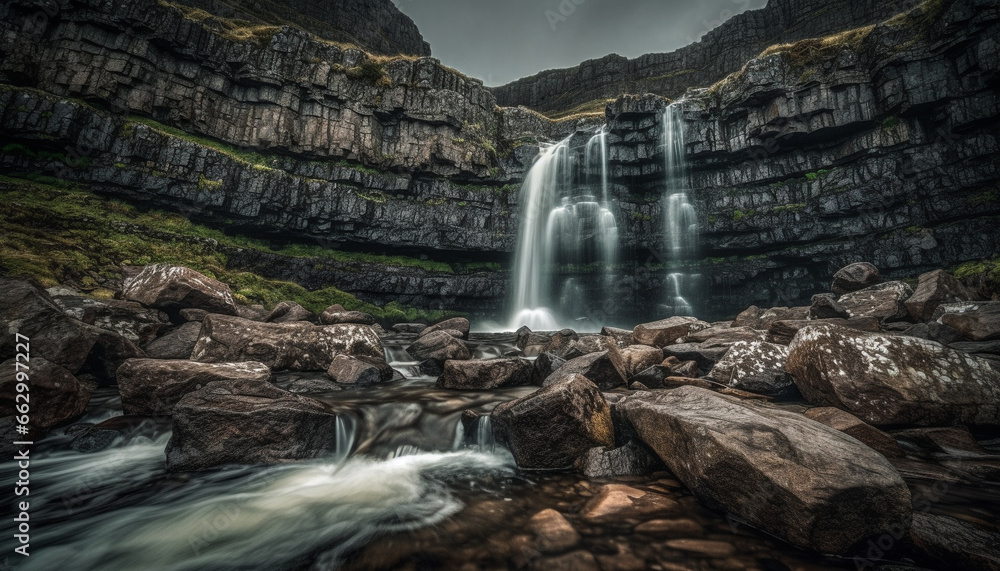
x,y
553,533
440,346
660,334
151,387
857,428
178,344
935,288
617,503
955,544
855,277
703,547
605,369
459,324
52,393
980,322
289,312
333,316
172,288
756,367
359,371
885,302
486,374
669,527
782,332
638,358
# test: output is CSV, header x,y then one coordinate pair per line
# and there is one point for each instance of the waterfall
x,y
681,221
484,435
345,433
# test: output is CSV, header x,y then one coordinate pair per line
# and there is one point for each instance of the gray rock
x,y
757,367
706,357
605,369
660,334
152,387
629,460
289,312
178,344
55,395
486,374
440,346
886,302
855,277
545,365
409,328
782,332
827,307
125,318
359,371
172,288
978,323
338,317
934,289
459,324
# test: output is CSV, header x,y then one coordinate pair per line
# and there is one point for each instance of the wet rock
x,y
756,367
588,344
151,387
660,334
282,346
178,344
409,328
553,533
783,473
311,386
248,422
638,358
628,460
530,342
857,428
827,307
942,439
886,302
605,369
459,324
559,342
128,319
855,277
617,503
955,544
782,332
706,357
685,369
652,377
724,336
887,379
980,322
333,316
935,331
669,527
575,561
440,346
623,337
431,367
289,312
553,427
172,288
934,289
359,371
105,434
54,395
545,365
986,349
486,374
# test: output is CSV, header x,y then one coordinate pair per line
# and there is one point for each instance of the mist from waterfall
x,y
681,220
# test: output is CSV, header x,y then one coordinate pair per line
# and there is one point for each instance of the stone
x,y
638,358
724,336
431,367
890,379
703,547
618,503
361,371
178,344
297,346
628,460
933,289
942,439
252,312
545,364
553,427
193,314
855,277
980,322
289,312
459,324
575,561
886,302
623,337
128,319
669,527
782,332
756,367
652,378
588,344
530,342
440,346
335,317
152,387
934,331
103,435
789,476
553,533
248,422
485,374
955,544
762,319
827,307
672,382
53,395
409,328
666,332
748,318
686,369
605,369
172,288
706,357
856,428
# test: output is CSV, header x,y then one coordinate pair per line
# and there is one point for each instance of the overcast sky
x,y
499,41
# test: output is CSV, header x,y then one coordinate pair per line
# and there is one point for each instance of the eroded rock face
x,y
855,277
667,332
886,302
440,346
248,422
805,482
485,374
55,395
756,367
886,380
551,428
172,288
282,346
151,387
977,322
933,289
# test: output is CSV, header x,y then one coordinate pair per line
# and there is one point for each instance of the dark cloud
x,y
499,41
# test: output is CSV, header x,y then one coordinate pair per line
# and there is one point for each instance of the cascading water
x,y
681,221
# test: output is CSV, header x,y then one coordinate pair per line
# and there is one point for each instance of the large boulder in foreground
x,y
440,346
248,422
172,288
485,374
297,346
56,396
855,277
885,379
553,427
812,485
151,387
666,332
757,367
935,288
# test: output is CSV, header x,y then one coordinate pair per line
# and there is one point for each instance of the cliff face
x,y
720,52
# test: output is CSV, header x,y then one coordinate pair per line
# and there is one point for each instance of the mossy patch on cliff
x,y
594,108
983,275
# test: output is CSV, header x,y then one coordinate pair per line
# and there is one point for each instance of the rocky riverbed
x,y
179,429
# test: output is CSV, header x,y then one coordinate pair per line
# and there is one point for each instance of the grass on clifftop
x,y
588,109
60,234
984,275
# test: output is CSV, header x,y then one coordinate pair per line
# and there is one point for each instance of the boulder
x,y
341,317
955,544
289,312
531,343
431,367
724,336
706,357
666,332
673,382
855,277
629,460
553,533
827,307
685,369
559,342
409,328
934,331
934,289
178,344
885,302
889,379
757,367
588,344
761,319
749,317
855,427
193,314
359,371
617,503
485,375
117,429
54,395
803,481
440,346
248,422
942,439
553,427
605,369
252,312
282,346
638,358
623,337
980,322
172,288
782,332
459,324
545,365
131,320
652,378
151,387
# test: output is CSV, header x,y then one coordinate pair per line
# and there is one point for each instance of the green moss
x,y
985,198
372,72
208,185
983,275
642,217
890,123
739,215
247,157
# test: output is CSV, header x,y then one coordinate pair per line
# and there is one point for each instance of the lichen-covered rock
x,y
803,481
855,277
359,371
178,344
440,346
977,322
485,374
289,312
588,344
459,324
553,427
827,307
172,288
756,367
724,336
933,289
297,346
605,369
886,302
128,319
638,358
151,387
56,396
782,332
667,332
341,316
885,380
